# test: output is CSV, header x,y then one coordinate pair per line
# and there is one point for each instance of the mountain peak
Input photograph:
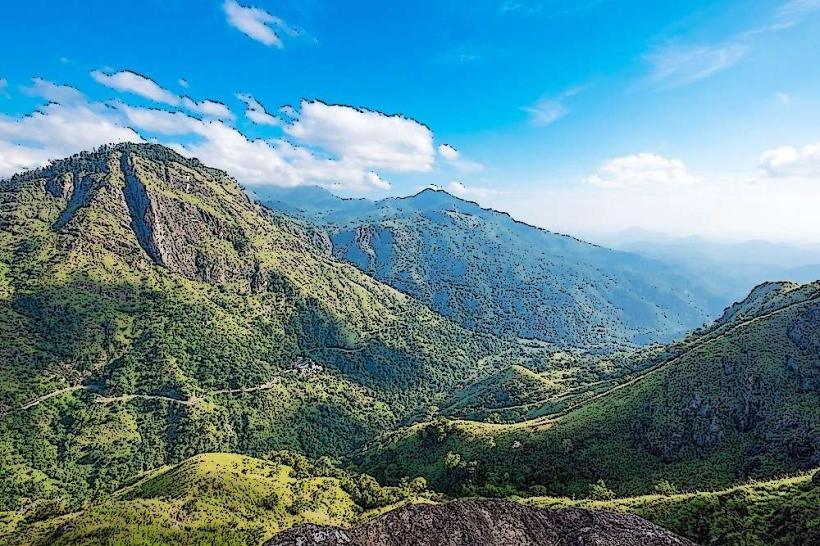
x,y
144,201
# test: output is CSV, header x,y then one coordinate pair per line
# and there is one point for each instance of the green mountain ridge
x,y
736,401
490,272
151,311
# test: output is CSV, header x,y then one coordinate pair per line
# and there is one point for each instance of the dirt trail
x,y
37,401
103,399
721,331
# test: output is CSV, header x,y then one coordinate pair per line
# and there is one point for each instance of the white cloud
x,y
784,98
723,209
448,152
131,82
339,146
251,161
676,65
365,137
155,120
207,108
548,110
57,130
127,81
257,23
53,92
454,158
256,112
791,162
642,169
183,83
460,190
795,9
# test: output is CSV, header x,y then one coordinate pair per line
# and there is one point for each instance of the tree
x,y
599,491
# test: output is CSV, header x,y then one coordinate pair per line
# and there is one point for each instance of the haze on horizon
x,y
583,118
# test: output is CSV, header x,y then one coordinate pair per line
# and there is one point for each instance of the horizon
x,y
680,120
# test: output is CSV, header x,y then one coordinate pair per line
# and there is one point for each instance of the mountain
x,y
150,311
738,400
492,273
541,381
729,268
490,523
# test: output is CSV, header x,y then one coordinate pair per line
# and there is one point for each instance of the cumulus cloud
x,y
255,112
56,130
258,161
53,92
127,81
208,108
257,23
330,145
792,162
183,83
448,152
644,169
365,137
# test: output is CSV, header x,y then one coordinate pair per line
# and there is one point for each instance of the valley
x,y
177,354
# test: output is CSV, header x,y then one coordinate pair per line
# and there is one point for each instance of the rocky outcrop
x,y
487,523
141,210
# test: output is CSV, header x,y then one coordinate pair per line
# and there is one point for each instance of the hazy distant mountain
x,y
731,268
492,273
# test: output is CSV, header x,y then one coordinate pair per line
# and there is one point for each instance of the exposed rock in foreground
x,y
487,523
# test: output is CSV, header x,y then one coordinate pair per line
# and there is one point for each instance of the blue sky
x,y
589,117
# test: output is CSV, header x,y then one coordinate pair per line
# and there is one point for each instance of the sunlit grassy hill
x,y
214,498
772,513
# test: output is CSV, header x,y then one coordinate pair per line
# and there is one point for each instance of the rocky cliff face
x,y
487,523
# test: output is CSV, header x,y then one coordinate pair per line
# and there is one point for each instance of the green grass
x,y
784,512
214,498
734,402
224,498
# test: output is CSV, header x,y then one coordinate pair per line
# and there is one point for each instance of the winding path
x,y
103,399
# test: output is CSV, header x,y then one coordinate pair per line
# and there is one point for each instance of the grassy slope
x,y
230,499
772,513
541,380
213,498
242,295
741,399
